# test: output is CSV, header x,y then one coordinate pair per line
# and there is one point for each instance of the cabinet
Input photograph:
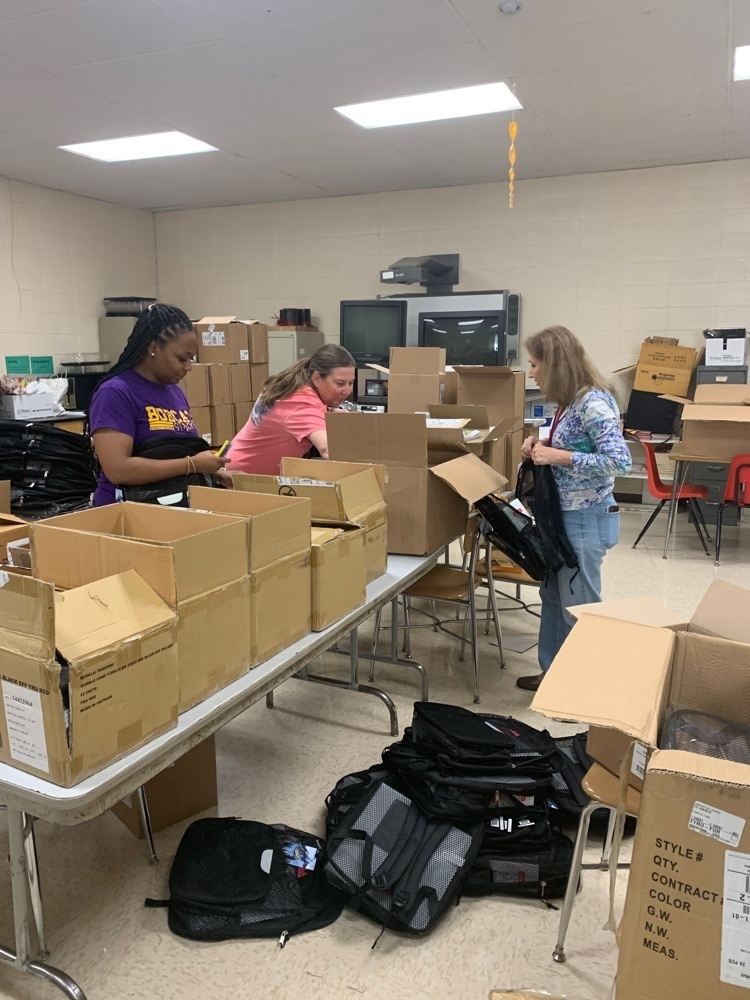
x,y
286,347
113,334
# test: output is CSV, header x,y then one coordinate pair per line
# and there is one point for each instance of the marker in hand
x,y
223,450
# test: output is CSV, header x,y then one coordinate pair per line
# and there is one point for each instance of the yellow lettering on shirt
x,y
168,420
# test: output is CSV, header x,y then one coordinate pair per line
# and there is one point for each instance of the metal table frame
x,y
682,460
27,796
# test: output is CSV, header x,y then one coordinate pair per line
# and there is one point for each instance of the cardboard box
x,y
225,339
258,378
626,662
277,529
498,445
222,424
11,530
339,492
242,413
239,383
717,423
110,646
202,419
664,368
426,499
501,390
725,347
4,496
196,562
684,931
18,554
23,407
416,378
195,386
339,573
219,385
177,793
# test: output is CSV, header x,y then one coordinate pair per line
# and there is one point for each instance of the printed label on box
x,y
244,355
717,824
640,757
735,924
23,716
296,481
214,338
4,578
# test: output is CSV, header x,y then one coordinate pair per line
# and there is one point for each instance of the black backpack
x,y
536,865
566,796
539,543
235,878
171,492
392,863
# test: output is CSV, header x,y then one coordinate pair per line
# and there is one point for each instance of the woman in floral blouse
x,y
586,450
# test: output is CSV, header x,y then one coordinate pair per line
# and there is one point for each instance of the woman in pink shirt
x,y
289,416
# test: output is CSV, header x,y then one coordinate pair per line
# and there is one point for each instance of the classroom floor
x,y
278,766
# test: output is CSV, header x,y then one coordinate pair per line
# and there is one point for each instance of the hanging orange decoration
x,y
512,131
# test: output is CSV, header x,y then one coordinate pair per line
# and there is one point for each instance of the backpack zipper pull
x,y
543,898
283,938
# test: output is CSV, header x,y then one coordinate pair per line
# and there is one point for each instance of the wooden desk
x,y
682,460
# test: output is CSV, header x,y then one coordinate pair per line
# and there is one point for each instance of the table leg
x,y
672,505
21,957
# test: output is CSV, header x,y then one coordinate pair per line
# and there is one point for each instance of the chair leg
x,y
609,837
697,525
650,522
703,520
407,623
474,642
575,873
496,621
719,522
376,631
488,610
464,630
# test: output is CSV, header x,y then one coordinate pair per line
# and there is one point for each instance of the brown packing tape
x,y
130,735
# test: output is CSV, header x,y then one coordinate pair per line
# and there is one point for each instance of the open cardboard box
x,y
278,545
226,339
625,676
339,572
426,496
195,562
339,492
501,390
12,529
499,444
716,424
416,378
108,648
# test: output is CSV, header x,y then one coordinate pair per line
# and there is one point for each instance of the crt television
x,y
371,327
469,338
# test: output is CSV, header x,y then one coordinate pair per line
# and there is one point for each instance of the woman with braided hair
x,y
139,399
289,417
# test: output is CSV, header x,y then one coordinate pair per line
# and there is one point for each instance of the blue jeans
x,y
590,532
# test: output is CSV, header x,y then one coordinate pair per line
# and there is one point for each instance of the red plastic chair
x,y
736,494
663,493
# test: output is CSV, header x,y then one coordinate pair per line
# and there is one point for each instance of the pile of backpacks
x,y
51,471
465,804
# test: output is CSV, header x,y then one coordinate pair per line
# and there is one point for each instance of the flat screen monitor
x,y
371,327
469,338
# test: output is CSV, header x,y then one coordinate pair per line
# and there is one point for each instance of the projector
x,y
429,271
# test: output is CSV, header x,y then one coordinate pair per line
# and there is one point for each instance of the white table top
x,y
97,793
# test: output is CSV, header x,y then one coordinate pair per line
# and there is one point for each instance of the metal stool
x,y
603,790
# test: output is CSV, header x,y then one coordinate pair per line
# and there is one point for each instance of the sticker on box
x,y
27,741
214,338
244,355
716,824
640,759
735,922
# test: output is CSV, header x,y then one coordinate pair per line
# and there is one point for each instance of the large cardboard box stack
x,y
227,340
277,547
684,930
87,675
416,378
340,493
426,497
339,573
195,386
197,563
501,391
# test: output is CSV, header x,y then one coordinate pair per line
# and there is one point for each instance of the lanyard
x,y
555,422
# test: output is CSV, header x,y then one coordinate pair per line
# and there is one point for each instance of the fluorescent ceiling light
x,y
741,63
462,103
140,147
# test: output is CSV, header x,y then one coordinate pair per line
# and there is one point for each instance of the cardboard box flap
x,y
417,360
321,536
104,614
681,400
4,496
639,610
379,368
723,772
446,434
483,371
703,413
331,471
470,477
477,416
398,439
612,674
217,319
27,616
724,611
722,395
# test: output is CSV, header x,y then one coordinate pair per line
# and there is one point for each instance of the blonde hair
x,y
568,370
323,361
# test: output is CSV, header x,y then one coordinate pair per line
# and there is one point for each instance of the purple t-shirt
x,y
135,406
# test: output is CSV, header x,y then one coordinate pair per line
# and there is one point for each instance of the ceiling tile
x,y
108,122
165,73
233,17
43,95
355,37
11,9
11,68
106,29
